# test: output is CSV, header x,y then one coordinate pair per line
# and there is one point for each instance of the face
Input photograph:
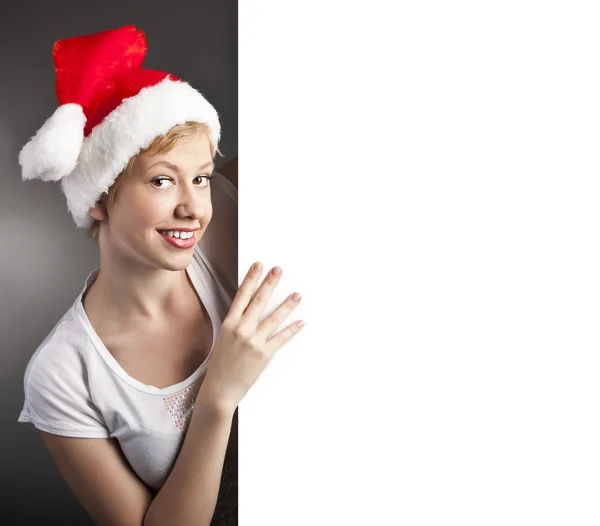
x,y
164,192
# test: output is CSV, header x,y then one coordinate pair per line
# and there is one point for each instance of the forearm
x,y
189,495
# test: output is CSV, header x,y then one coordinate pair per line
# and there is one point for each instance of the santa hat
x,y
109,109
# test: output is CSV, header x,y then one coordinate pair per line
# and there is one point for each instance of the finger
x,y
259,301
269,324
244,294
283,336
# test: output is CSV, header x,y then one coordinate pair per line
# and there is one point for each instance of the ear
x,y
98,212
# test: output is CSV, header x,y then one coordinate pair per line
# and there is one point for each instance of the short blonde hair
x,y
161,144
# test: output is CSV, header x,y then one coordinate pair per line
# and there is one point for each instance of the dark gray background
x,y
44,257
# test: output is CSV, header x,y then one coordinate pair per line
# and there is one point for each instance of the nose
x,y
193,202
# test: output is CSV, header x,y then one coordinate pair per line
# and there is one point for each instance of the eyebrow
x,y
176,168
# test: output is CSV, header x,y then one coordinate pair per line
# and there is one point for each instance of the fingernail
x,y
257,266
296,296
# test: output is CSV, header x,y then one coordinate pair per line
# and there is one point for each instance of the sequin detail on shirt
x,y
181,404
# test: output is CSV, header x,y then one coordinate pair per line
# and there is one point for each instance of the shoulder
x,y
230,171
62,351
56,384
225,188
218,247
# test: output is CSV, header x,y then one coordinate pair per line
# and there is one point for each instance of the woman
x,y
135,389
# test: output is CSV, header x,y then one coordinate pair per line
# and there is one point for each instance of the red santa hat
x,y
109,109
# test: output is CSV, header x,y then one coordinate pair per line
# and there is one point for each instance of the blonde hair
x,y
161,144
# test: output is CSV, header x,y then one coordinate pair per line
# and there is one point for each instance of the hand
x,y
242,350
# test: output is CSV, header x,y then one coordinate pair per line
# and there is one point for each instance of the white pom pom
x,y
53,152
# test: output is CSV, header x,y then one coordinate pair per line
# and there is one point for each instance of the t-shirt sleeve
x,y
219,244
57,398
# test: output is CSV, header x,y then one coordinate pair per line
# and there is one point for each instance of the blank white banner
x,y
427,175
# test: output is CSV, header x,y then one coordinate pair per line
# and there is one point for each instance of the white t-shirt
x,y
74,387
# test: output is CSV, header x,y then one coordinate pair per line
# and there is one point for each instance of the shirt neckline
x,y
112,363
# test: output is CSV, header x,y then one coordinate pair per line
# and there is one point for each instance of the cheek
x,y
138,214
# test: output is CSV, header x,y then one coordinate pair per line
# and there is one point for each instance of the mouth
x,y
179,238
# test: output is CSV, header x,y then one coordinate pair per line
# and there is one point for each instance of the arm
x,y
100,477
189,495
110,491
230,171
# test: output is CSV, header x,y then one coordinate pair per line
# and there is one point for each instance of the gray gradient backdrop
x,y
44,258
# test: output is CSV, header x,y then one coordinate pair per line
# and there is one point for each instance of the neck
x,y
126,292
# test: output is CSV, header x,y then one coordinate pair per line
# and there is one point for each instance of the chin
x,y
177,263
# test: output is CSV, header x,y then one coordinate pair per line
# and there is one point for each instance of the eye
x,y
160,179
207,179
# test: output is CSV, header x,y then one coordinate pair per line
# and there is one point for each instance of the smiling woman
x,y
115,384
136,388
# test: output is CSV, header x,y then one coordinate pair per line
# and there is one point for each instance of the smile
x,y
185,241
176,233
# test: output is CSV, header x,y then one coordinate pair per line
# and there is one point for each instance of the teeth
x,y
178,234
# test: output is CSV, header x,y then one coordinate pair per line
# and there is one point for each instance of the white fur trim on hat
x,y
52,152
129,128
